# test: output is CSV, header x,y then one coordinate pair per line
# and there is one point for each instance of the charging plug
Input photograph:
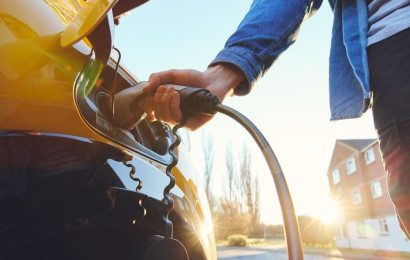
x,y
129,103
128,106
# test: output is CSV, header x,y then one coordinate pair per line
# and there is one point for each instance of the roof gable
x,y
357,144
346,148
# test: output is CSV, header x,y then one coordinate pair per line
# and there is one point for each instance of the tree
x,y
249,185
274,231
229,220
208,149
313,231
256,210
238,211
230,173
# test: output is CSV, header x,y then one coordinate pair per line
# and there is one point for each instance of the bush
x,y
314,232
237,240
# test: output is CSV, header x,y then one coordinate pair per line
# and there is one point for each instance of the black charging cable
x,y
201,101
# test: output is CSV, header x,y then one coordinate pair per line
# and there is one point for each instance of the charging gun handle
x,y
128,108
196,100
129,103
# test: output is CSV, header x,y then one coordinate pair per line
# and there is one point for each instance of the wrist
x,y
227,77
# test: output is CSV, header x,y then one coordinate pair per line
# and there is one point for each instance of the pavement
x,y
332,252
358,254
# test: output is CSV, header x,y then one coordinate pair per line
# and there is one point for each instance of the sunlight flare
x,y
328,211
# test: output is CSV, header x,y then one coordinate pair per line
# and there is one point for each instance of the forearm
x,y
267,30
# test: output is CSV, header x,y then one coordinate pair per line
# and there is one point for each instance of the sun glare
x,y
328,211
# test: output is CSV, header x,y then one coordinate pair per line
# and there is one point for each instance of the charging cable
x,y
203,102
128,111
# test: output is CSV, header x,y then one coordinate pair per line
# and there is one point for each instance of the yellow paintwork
x,y
63,10
86,19
37,78
37,91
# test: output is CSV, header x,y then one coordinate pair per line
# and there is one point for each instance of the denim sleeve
x,y
267,30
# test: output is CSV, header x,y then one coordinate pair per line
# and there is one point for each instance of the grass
x,y
255,242
222,243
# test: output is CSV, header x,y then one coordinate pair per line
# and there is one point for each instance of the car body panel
x,y
37,92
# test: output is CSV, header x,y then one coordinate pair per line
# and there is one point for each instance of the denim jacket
x,y
271,26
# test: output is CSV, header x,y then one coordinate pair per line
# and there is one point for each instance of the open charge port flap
x,y
151,138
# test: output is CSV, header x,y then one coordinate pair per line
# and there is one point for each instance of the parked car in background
x,y
66,190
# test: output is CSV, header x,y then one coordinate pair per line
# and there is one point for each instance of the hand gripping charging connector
x,y
129,103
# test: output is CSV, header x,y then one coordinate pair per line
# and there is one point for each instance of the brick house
x,y
357,181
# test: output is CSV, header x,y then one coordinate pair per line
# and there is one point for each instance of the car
x,y
74,183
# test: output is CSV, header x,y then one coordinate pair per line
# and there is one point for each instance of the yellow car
x,y
75,184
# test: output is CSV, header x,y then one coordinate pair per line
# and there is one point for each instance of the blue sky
x,y
289,104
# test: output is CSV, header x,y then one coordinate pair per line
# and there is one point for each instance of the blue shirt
x,y
271,26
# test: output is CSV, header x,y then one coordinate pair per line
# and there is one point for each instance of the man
x,y
369,67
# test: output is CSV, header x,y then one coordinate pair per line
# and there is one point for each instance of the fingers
x,y
149,108
187,77
164,106
174,107
157,102
153,83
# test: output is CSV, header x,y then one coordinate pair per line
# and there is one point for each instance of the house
x,y
358,183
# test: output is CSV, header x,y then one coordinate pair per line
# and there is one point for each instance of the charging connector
x,y
197,101
128,104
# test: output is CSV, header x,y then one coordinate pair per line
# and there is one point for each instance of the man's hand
x,y
163,105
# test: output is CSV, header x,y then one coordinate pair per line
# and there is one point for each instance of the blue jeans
x,y
389,65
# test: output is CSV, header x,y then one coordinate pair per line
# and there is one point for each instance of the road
x,y
276,252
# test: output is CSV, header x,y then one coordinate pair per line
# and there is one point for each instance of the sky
x,y
289,104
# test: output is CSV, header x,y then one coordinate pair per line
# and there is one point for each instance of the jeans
x,y
389,66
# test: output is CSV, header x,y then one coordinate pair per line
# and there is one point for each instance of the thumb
x,y
188,77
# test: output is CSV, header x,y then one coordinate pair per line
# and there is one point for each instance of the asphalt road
x,y
276,252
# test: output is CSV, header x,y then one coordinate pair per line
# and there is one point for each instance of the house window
x,y
376,189
361,229
383,226
351,166
336,176
356,196
369,156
